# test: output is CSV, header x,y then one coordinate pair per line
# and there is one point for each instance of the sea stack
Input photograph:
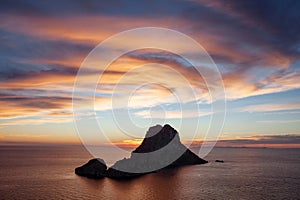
x,y
160,149
95,168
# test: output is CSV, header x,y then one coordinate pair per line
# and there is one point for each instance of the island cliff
x,y
160,149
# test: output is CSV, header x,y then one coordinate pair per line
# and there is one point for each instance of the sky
x,y
254,44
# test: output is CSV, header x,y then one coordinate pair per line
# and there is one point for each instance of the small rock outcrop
x,y
95,168
219,161
160,149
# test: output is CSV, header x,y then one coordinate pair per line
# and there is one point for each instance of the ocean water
x,y
47,172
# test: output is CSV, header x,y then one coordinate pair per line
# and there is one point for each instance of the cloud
x,y
286,141
270,107
21,105
281,80
274,24
41,120
239,84
171,114
43,45
279,121
14,71
240,43
176,80
66,8
272,141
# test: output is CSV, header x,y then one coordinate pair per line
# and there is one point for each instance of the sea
x,y
47,172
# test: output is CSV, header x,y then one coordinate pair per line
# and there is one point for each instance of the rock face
x,y
95,168
160,149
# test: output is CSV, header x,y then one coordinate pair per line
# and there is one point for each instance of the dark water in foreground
x,y
48,173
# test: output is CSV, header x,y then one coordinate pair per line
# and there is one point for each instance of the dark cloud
x,y
153,8
264,33
176,62
45,102
270,25
280,18
272,139
13,71
26,56
15,45
22,102
159,56
256,33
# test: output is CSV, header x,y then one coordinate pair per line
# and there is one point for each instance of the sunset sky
x,y
255,45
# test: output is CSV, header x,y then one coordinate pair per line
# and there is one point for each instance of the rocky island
x,y
160,149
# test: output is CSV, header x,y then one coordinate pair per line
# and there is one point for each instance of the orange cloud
x,y
88,30
129,143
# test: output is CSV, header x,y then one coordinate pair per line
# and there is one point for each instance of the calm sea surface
x,y
48,173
